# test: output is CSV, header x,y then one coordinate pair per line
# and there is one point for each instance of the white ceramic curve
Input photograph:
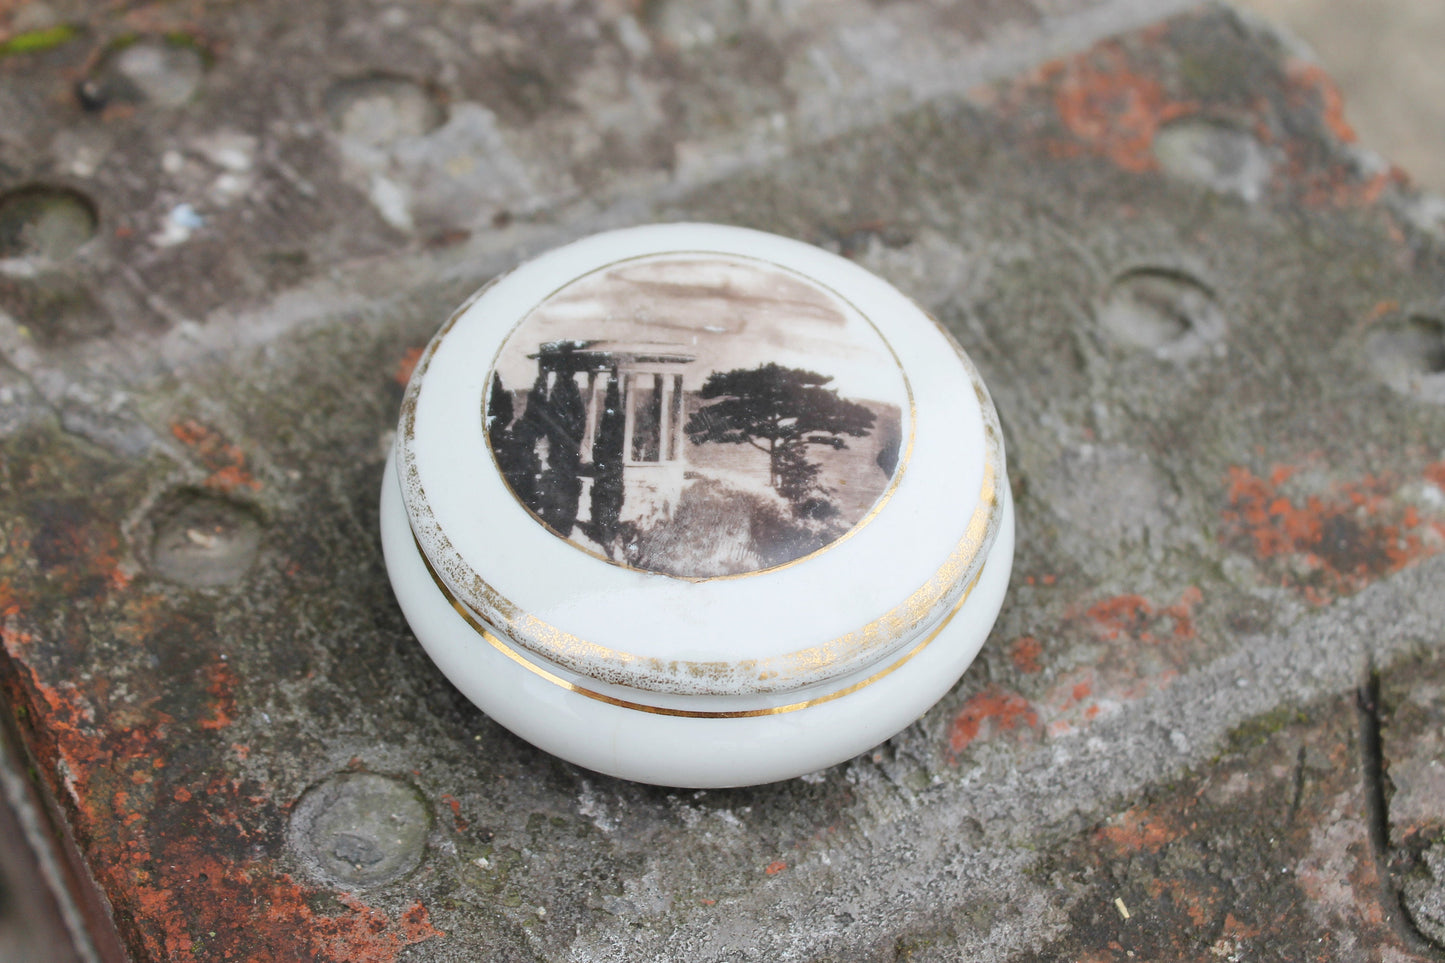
x,y
671,750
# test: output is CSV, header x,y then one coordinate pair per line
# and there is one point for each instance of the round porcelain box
x,y
697,506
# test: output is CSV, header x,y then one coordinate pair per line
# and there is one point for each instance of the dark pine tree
x,y
514,443
511,446
563,419
779,411
499,412
607,462
517,463
795,477
529,436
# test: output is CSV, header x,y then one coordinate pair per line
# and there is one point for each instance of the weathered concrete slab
x,y
1211,324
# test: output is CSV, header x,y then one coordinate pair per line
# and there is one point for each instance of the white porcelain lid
x,y
698,459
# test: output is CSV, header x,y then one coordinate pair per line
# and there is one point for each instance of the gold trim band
x,y
486,633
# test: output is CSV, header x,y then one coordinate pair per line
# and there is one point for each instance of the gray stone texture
x,y
1191,734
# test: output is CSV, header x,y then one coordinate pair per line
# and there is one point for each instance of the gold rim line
x,y
496,643
911,611
905,453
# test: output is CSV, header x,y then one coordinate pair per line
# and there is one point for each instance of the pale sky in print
x,y
728,313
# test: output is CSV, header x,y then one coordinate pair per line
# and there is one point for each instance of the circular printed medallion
x,y
698,415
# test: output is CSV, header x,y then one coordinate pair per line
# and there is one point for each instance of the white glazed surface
x,y
679,751
638,628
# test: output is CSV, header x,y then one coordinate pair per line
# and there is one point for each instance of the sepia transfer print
x,y
697,415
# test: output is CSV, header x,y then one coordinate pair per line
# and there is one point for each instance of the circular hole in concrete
x,y
203,540
360,829
44,222
1215,155
379,110
1410,356
153,71
1156,308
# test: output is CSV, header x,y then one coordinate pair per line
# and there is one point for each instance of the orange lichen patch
x,y
1234,929
151,868
1099,956
1025,654
1197,905
1110,106
1142,646
1136,617
1077,699
995,710
92,775
406,366
1435,474
1329,544
225,461
1311,80
775,867
369,935
1322,177
139,759
220,681
1139,830
1070,703
1338,186
456,807
14,641
183,856
79,553
249,915
1383,308
1120,614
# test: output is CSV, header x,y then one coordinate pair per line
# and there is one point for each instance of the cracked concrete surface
x,y
1210,323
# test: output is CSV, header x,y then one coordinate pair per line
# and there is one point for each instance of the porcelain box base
x,y
688,741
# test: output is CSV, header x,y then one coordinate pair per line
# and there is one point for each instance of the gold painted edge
x,y
905,455
495,642
896,623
